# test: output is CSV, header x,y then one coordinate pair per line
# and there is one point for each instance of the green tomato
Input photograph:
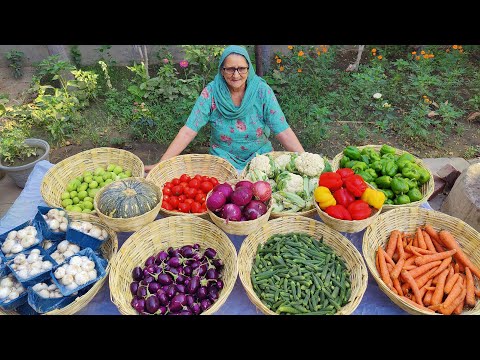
x,y
87,205
76,200
110,167
93,184
106,176
117,170
98,179
82,194
87,211
73,194
79,178
128,173
76,208
67,202
65,195
92,192
108,181
88,199
69,207
83,187
72,185
99,171
88,179
87,173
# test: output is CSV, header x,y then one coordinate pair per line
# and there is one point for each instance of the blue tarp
x,y
374,301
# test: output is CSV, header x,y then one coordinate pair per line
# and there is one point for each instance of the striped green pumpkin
x,y
127,198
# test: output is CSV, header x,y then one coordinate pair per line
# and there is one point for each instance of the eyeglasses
x,y
231,70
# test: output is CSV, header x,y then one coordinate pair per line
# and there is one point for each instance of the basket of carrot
x,y
425,261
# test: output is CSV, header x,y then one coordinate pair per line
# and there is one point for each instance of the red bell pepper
x,y
356,185
345,172
330,180
338,212
343,197
359,210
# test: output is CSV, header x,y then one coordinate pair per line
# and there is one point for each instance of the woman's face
x,y
237,64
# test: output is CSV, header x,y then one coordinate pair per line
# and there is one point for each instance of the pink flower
x,y
272,111
232,130
183,64
205,93
226,139
259,132
165,61
214,146
241,125
214,106
243,148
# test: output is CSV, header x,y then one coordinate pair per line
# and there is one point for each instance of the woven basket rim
x,y
311,228
424,216
429,184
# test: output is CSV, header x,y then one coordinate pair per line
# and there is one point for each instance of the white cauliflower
x,y
262,163
310,164
282,161
290,182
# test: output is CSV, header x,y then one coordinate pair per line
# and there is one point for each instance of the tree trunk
x,y
263,55
62,55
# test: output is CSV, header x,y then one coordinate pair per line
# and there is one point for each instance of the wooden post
x,y
263,55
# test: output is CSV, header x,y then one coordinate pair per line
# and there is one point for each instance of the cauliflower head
x,y
262,163
310,164
282,161
290,182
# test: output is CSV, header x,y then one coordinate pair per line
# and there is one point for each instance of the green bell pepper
x,y
351,163
386,149
407,156
412,183
366,159
415,195
359,166
388,193
377,166
352,152
389,168
402,199
372,172
424,175
371,153
389,156
411,171
389,202
384,182
343,161
366,176
399,186
401,163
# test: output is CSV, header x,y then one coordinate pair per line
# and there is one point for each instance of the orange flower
x,y
417,57
279,61
431,56
319,53
290,47
299,70
379,57
455,47
374,50
324,49
422,52
301,53
425,56
414,53
282,68
460,47
276,56
460,51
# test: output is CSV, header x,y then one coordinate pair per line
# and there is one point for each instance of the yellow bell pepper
x,y
373,197
324,198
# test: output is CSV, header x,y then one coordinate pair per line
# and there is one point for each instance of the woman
x,y
242,110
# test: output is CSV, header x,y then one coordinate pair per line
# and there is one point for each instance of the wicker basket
x,y
129,224
340,244
426,189
58,176
309,213
191,164
174,231
348,226
108,251
408,219
240,227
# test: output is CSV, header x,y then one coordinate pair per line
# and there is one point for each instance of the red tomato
x,y
185,177
198,177
206,186
168,184
184,207
183,184
189,201
177,190
194,183
196,207
182,198
176,181
167,191
204,207
200,198
166,197
191,192
166,205
214,181
173,201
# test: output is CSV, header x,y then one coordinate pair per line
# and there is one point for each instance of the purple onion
x,y
231,212
224,188
216,200
254,209
245,183
241,196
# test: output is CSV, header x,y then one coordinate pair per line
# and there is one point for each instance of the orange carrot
x,y
470,297
384,273
421,240
477,293
448,310
450,272
456,267
388,259
392,242
411,281
406,299
449,284
443,266
409,267
438,293
417,250
458,310
422,279
461,268
449,241
397,268
428,241
434,257
453,294
424,268
376,263
432,233
439,247
397,286
410,261
415,241
428,297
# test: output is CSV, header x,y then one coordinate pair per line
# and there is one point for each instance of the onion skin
x,y
262,190
216,201
224,188
245,183
241,196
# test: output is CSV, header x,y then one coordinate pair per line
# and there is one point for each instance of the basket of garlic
x,y
12,293
78,271
87,234
31,266
20,238
53,222
46,296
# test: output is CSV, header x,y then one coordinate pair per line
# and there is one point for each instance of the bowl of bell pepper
x,y
346,202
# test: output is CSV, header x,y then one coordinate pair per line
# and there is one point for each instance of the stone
x,y
449,174
463,201
439,186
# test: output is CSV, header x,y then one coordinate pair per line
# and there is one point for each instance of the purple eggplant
x,y
185,312
180,279
178,302
134,287
150,261
187,281
196,246
164,279
148,279
176,253
212,274
174,262
205,304
161,256
170,251
219,284
197,256
190,300
218,263
196,309
174,270
193,285
202,269
171,291
162,310
187,270
180,288
152,304
138,304
202,292
195,264
154,286
151,268
137,273
142,291
164,300
187,251
213,293
210,253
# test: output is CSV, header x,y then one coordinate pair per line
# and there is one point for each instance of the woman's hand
x,y
147,168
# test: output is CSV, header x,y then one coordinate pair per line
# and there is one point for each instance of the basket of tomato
x,y
186,180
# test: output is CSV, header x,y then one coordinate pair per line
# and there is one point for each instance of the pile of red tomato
x,y
187,194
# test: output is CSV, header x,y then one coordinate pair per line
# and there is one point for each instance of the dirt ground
x,y
150,153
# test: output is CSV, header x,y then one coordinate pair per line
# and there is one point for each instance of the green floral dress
x,y
239,140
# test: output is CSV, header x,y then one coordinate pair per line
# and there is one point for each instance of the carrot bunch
x,y
429,270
